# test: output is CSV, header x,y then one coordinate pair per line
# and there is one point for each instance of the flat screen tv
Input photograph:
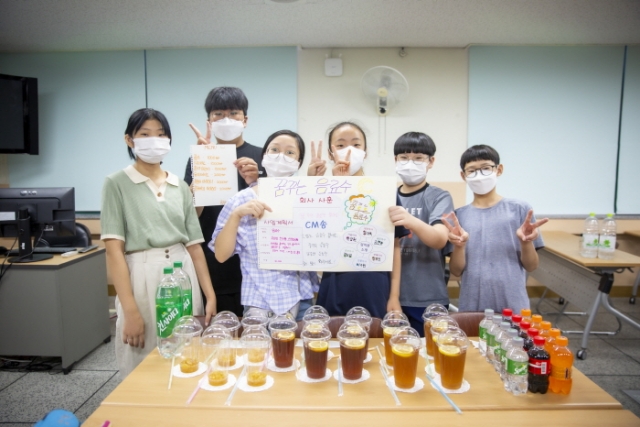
x,y
18,115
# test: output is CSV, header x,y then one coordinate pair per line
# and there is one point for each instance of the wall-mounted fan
x,y
385,86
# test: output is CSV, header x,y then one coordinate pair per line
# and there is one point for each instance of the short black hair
x,y
290,133
414,142
138,118
226,98
343,124
479,152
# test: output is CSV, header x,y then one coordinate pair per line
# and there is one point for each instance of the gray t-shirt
x,y
494,276
422,278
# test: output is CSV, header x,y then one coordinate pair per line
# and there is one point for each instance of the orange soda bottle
x,y
535,321
544,328
551,339
561,367
526,315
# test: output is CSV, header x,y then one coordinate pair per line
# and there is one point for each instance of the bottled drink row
x,y
526,351
174,299
598,241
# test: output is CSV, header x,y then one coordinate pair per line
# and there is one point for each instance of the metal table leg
x,y
634,291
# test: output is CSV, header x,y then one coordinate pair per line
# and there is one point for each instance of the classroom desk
x,y
56,307
143,398
636,284
585,282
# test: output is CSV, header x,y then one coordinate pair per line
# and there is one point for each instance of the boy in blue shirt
x,y
422,279
494,238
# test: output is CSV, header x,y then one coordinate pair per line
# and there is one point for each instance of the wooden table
x,y
585,282
143,395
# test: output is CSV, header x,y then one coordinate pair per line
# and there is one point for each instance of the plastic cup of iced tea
x,y
452,346
353,340
283,337
315,337
405,347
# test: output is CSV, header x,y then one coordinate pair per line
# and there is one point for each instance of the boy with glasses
x,y
423,252
494,238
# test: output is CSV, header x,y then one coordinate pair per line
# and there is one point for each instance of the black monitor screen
x,y
18,115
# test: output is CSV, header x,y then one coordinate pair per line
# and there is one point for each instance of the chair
x,y
468,321
80,240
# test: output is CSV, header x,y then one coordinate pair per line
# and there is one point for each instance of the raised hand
x,y
400,217
202,140
248,169
528,231
317,166
254,207
457,236
341,167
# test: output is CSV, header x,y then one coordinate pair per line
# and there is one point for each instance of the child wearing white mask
x,y
377,291
495,239
236,232
148,221
423,252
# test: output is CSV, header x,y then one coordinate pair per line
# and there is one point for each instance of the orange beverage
x,y
351,357
561,367
428,338
283,346
405,365
218,378
551,339
388,354
535,321
526,315
315,355
437,357
545,325
452,360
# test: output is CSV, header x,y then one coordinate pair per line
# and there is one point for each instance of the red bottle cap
x,y
507,312
525,325
538,340
516,318
533,332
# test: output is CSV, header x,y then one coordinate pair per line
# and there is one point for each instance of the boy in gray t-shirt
x,y
494,238
422,280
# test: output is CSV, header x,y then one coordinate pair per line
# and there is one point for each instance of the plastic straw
x,y
173,360
383,369
340,391
235,387
437,387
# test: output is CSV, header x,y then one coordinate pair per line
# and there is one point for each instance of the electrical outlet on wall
x,y
333,67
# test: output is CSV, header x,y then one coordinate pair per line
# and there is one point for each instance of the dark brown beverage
x,y
283,346
351,356
315,355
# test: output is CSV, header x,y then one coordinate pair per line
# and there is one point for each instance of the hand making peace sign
x,y
317,166
528,231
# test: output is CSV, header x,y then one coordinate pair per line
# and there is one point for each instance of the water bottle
x,y
168,311
590,233
607,238
517,368
482,330
507,343
491,335
185,284
499,339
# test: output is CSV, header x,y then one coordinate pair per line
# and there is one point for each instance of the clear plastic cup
x,y
353,339
230,321
433,310
452,346
254,318
389,326
283,337
316,312
188,329
255,342
315,338
216,345
217,376
439,325
405,346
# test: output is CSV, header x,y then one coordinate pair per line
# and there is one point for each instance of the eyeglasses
x,y
484,170
418,160
289,156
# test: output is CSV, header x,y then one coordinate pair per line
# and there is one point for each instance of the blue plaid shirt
x,y
275,290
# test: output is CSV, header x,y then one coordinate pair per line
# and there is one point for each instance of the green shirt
x,y
144,216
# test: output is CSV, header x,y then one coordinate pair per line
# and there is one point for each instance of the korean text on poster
x,y
214,175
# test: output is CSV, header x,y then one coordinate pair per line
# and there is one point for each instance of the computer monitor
x,y
36,212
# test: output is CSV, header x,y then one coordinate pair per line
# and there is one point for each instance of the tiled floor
x,y
612,362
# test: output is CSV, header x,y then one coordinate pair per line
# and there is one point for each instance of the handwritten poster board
x,y
214,176
327,223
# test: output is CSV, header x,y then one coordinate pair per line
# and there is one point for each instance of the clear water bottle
x,y
517,368
590,233
168,311
500,337
491,335
607,245
507,343
185,284
482,330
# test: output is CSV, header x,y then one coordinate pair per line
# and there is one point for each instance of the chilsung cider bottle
x,y
168,311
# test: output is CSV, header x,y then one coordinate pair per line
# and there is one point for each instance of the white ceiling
x,y
81,25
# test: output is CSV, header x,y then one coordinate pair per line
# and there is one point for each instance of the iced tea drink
x,y
283,338
353,340
452,350
405,346
389,326
316,349
439,324
433,310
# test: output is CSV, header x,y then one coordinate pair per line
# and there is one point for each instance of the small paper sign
x,y
215,179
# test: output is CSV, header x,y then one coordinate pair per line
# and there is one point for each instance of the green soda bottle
x,y
168,311
185,284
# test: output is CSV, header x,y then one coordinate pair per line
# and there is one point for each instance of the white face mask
x,y
151,150
355,160
227,129
412,174
481,184
278,166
